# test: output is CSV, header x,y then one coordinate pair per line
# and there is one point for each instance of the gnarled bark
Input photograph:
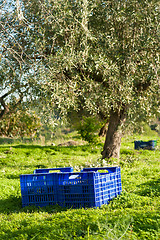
x,y
112,143
103,130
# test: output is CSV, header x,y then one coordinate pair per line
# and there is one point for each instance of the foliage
x,y
104,55
21,123
88,129
155,124
132,215
144,129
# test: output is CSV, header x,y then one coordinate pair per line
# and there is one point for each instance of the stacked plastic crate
x,y
92,187
40,188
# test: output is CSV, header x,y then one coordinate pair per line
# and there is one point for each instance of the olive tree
x,y
104,58
99,57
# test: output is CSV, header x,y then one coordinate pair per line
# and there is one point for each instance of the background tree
x,y
18,82
21,123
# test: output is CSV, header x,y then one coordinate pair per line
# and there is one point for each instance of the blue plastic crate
x,y
149,145
40,188
76,189
88,188
47,170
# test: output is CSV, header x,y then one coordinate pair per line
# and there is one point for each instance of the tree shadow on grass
x,y
10,205
14,205
63,149
12,176
29,146
150,188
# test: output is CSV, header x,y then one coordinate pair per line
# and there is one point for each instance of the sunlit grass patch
x,y
132,215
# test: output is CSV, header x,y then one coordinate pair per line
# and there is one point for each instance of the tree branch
x,y
6,107
5,110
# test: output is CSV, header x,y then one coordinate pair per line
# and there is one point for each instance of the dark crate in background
x,y
149,145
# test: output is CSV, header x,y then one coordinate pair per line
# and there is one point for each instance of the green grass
x,y
132,215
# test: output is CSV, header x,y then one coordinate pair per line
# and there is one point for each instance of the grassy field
x,y
135,214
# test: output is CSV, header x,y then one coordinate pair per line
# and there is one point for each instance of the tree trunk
x,y
112,143
103,130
